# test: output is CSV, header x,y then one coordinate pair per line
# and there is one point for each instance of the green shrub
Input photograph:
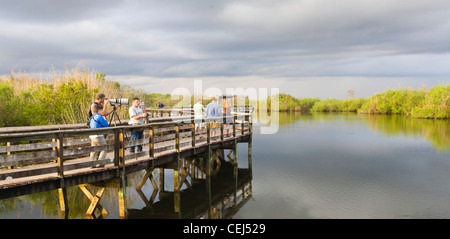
x,y
436,104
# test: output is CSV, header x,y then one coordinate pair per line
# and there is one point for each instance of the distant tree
x,y
351,94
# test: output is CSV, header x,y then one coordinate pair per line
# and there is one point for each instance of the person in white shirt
x,y
198,112
137,117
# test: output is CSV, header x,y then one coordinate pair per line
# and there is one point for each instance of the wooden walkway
x,y
45,159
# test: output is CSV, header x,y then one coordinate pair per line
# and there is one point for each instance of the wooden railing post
x,y
208,132
176,180
250,167
152,142
193,134
60,154
242,125
121,149
118,148
221,128
9,153
177,138
234,126
250,124
60,161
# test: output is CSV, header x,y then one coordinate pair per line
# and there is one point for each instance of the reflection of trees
x,y
48,202
436,131
11,205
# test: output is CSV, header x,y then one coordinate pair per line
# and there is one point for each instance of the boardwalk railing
x,y
169,111
183,111
58,153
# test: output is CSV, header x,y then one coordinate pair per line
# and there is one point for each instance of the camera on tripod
x,y
118,101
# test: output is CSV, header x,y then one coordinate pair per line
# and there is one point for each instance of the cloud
x,y
56,12
233,39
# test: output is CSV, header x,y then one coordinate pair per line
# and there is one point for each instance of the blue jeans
x,y
135,135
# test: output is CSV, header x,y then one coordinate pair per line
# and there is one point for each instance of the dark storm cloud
x,y
203,38
55,11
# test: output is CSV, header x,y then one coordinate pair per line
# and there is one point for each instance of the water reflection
x,y
47,204
351,166
188,190
316,166
217,196
214,189
437,132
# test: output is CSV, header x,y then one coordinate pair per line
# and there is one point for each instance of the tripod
x,y
114,115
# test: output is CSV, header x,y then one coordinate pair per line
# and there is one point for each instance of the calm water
x,y
316,166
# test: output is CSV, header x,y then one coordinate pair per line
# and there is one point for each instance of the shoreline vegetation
x,y
432,103
65,99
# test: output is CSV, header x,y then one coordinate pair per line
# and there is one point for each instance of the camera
x,y
119,101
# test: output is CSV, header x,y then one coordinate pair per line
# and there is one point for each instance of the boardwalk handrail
x,y
172,111
59,146
87,131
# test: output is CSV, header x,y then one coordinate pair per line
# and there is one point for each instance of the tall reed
x,y
57,98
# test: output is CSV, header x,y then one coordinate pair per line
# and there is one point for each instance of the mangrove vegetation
x,y
432,103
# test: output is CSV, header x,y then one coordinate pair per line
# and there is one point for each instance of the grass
x,y
62,98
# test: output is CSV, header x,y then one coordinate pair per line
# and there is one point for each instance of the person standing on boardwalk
x,y
101,101
97,121
226,109
137,117
213,110
198,112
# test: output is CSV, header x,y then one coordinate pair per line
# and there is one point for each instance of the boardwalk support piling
x,y
95,201
122,196
63,204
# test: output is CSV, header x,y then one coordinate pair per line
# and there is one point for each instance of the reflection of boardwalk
x,y
47,160
213,196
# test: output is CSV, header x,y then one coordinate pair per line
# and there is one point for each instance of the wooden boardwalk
x,y
42,159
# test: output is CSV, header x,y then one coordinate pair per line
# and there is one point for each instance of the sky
x,y
306,48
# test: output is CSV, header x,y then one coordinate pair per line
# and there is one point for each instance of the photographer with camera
x,y
102,102
137,117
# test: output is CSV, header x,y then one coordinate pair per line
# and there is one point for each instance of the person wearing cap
x,y
102,102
